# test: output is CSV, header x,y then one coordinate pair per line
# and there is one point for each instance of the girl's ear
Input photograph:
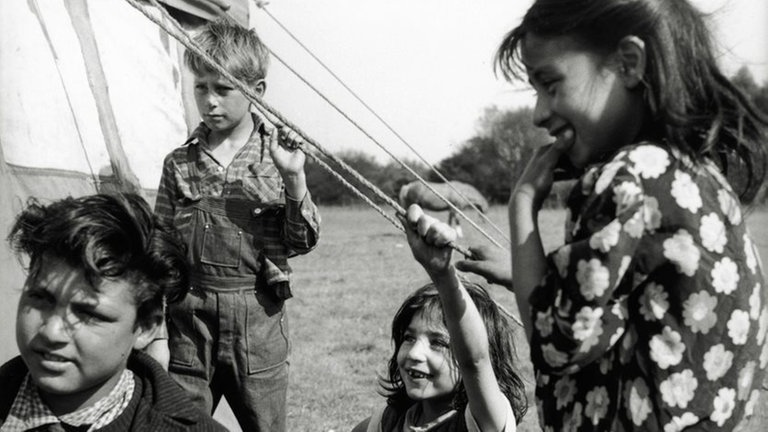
x,y
632,58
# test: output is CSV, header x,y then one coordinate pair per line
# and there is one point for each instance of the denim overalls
x,y
229,336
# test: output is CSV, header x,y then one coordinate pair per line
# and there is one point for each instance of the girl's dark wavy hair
x,y
691,104
110,236
500,332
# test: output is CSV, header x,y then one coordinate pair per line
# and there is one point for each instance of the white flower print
x,y
562,258
723,406
712,233
544,323
597,404
764,357
626,195
682,252
572,420
653,302
667,348
620,308
588,180
717,361
650,161
762,326
627,347
616,335
725,276
565,390
593,278
685,192
606,176
746,376
754,302
605,365
749,408
588,327
625,262
738,326
634,226
552,356
607,237
542,379
638,402
699,312
679,423
651,213
729,206
749,252
678,389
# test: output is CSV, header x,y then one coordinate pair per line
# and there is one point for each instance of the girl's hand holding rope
x,y
430,242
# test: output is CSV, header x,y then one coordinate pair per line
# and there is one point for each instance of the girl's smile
x,y
582,99
426,365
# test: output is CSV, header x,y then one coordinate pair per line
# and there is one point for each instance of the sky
x,y
426,66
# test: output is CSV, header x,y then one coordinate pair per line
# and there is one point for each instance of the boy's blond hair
x,y
238,50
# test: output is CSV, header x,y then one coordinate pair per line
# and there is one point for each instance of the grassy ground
x,y
346,292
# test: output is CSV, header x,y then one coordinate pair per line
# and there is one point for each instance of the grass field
x,y
346,292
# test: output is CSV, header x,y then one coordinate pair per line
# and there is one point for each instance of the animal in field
x,y
418,193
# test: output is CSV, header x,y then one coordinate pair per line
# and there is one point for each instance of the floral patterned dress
x,y
653,314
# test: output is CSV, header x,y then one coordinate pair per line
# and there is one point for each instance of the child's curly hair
x,y
108,236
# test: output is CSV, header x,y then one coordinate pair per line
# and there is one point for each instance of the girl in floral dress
x,y
653,314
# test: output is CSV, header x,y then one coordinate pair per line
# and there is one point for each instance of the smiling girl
x,y
652,315
452,369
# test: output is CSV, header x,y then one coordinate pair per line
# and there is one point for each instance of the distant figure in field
x,y
418,193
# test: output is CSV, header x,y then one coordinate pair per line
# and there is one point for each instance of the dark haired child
x,y
452,369
652,316
100,268
237,191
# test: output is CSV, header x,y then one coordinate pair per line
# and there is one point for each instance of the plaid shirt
x,y
251,176
29,412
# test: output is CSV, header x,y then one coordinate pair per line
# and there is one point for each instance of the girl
x,y
653,314
451,370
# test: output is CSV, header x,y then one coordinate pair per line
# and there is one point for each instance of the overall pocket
x,y
221,246
267,332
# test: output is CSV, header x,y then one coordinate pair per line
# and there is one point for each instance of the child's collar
x,y
29,411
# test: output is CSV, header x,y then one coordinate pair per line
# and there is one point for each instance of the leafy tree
x,y
757,94
494,159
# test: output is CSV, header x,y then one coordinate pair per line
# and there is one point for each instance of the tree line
x,y
492,160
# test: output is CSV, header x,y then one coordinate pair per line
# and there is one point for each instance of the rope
x,y
273,116
263,6
403,164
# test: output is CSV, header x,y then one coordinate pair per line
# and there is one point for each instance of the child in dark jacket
x,y
100,268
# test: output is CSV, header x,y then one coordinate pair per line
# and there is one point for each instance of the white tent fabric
x,y
90,99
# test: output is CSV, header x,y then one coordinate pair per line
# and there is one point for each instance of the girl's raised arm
x,y
428,239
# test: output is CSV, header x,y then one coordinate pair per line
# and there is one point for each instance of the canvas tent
x,y
92,97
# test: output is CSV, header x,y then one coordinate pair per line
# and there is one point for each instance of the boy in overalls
x,y
237,192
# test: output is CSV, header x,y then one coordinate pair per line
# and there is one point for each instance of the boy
x,y
99,269
239,196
